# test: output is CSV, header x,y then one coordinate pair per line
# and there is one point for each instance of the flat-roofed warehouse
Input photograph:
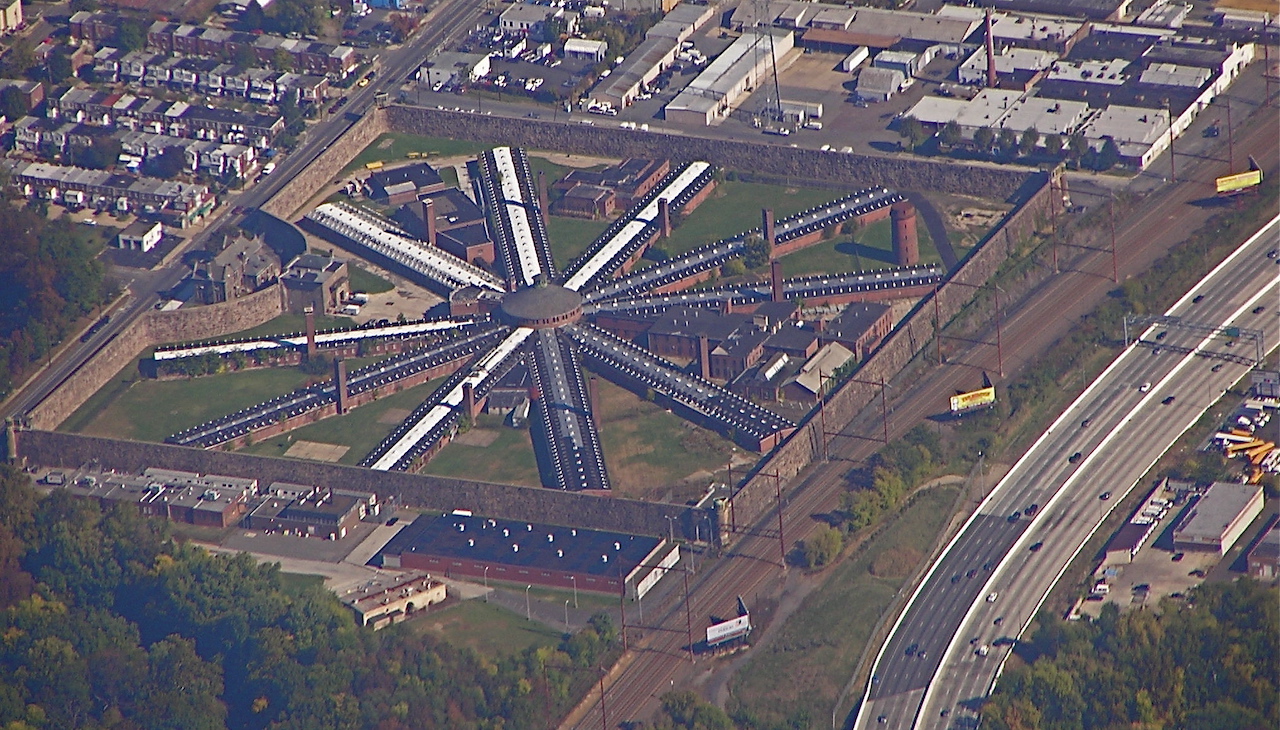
x,y
462,545
726,81
1218,519
652,56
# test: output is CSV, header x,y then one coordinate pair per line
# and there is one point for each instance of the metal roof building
x,y
1218,519
724,83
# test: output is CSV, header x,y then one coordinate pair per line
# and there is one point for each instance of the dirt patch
x,y
316,451
394,415
386,143
478,437
896,563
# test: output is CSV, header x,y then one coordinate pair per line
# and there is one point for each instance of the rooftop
x,y
541,303
565,549
1220,505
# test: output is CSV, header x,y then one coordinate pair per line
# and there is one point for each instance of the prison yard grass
x,y
796,678
866,248
497,454
362,280
735,206
360,429
571,236
395,147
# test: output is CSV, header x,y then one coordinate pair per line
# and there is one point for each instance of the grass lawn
x,y
508,459
150,410
487,628
296,583
449,175
735,206
807,664
288,324
648,450
361,429
366,282
869,248
402,144
571,236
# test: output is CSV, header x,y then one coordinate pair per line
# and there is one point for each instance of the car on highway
x,y
1031,510
1085,423
1144,387
922,655
1036,547
999,620
1177,557
1216,368
1197,573
911,650
971,573
1258,310
1197,299
1014,517
1104,496
1075,457
991,597
988,565
1273,253
1167,401
1156,351
1163,334
982,650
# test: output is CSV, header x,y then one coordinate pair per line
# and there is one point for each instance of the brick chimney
x,y
664,217
469,401
775,281
991,53
311,331
429,217
340,383
704,357
767,222
906,245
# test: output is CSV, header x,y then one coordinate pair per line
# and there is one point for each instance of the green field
x,y
150,410
869,248
486,628
402,144
806,665
735,207
508,459
364,281
361,428
571,236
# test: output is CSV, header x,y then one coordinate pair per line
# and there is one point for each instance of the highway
x,y
1145,233
450,17
988,584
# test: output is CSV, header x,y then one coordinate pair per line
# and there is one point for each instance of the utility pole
x,y
782,542
1115,266
1173,170
1231,146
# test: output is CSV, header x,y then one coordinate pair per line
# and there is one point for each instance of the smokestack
x,y
726,306
469,401
767,222
991,54
340,383
543,200
311,331
704,357
592,396
906,246
664,217
429,217
775,280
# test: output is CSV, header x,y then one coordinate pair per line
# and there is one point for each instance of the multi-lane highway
x,y
449,18
989,583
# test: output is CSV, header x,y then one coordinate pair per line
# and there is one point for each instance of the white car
x,y
992,598
1144,387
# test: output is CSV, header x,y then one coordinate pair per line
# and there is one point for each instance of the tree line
x,y
110,623
49,279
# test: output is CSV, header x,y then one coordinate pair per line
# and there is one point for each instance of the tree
x,y
131,36
59,68
823,548
983,139
244,57
282,60
913,131
1007,141
757,252
168,164
951,135
403,25
1053,145
1028,141
1108,156
1077,147
12,105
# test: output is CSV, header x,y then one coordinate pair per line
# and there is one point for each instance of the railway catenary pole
x,y
1053,218
782,541
688,616
822,414
937,313
1173,170
884,403
1115,264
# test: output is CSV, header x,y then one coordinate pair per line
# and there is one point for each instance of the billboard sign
x,y
726,630
1229,184
973,399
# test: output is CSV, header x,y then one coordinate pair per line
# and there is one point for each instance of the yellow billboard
x,y
973,399
1239,181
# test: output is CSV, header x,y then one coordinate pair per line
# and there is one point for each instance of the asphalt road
x,y
449,18
1128,431
659,661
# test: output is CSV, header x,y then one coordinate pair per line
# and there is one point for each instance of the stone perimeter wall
x,y
315,176
604,140
501,501
154,328
758,494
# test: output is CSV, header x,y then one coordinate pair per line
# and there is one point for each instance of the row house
x,y
97,28
177,203
213,157
306,56
209,76
175,118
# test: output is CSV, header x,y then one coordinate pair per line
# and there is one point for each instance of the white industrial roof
x,y
880,80
937,109
1009,60
1046,116
1128,124
1171,74
1094,72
